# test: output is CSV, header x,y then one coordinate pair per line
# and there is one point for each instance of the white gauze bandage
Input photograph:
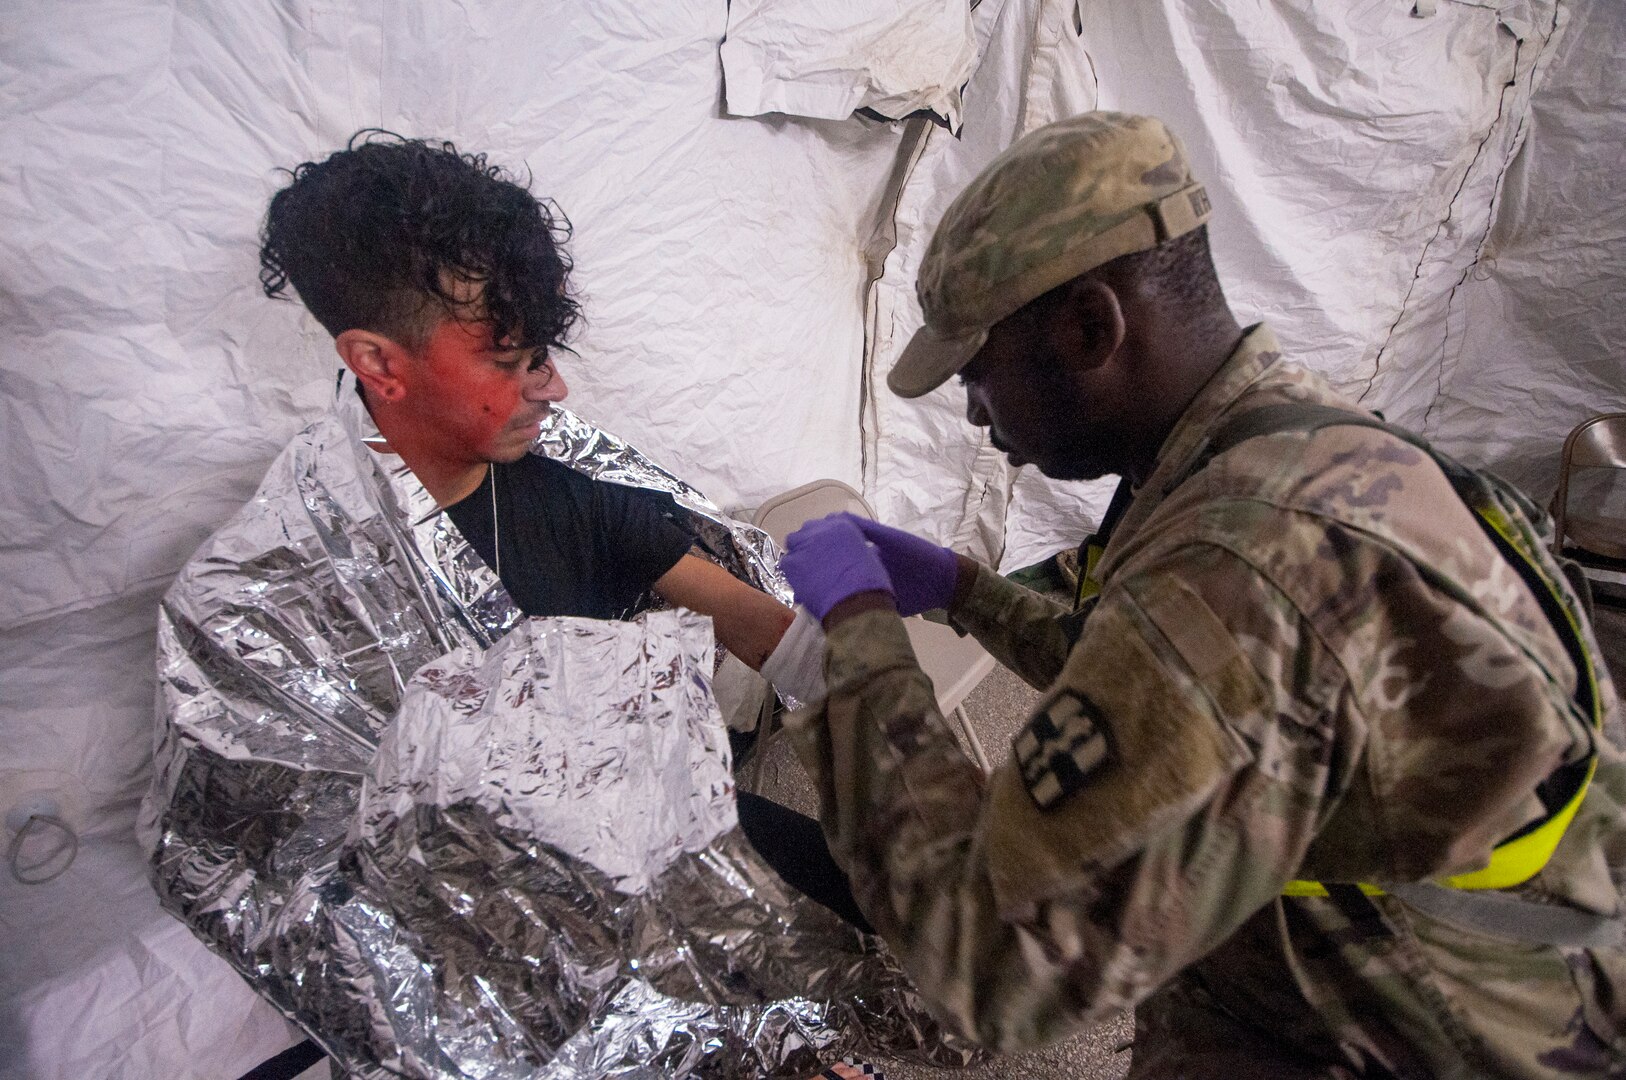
x,y
796,666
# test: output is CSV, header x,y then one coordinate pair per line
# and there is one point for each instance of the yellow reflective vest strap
x,y
1512,863
1095,545
1088,584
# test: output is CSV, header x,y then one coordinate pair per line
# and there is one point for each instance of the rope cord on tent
x,y
14,853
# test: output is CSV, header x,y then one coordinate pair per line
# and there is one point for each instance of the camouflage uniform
x,y
1306,661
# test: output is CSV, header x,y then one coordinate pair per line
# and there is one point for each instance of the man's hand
x,y
923,575
828,561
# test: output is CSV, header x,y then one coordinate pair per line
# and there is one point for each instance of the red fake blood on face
x,y
473,393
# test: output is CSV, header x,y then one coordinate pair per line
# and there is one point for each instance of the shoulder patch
x,y
1062,744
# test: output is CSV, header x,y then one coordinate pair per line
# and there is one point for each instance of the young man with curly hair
x,y
445,285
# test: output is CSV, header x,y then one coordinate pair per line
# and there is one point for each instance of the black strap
x,y
1096,543
288,1064
1122,496
1366,920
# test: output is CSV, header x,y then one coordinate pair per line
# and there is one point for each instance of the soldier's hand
x,y
828,560
923,574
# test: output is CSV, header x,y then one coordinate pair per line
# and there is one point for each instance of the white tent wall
x,y
1432,211
1533,338
925,466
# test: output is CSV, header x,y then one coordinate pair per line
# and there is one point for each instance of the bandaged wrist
x,y
796,665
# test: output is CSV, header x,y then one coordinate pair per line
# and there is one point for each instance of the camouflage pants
x,y
1182,1034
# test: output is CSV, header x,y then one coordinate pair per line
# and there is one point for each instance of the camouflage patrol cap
x,y
1060,201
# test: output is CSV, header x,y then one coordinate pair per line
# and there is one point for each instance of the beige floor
x,y
997,709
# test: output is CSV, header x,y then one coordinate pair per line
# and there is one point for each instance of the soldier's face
x,y
1037,403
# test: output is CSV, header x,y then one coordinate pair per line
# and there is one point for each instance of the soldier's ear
x,y
1085,324
378,362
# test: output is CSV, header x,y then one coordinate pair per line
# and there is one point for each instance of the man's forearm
x,y
749,623
753,630
965,576
857,604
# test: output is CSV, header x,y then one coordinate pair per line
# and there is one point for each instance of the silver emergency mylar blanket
x,y
522,861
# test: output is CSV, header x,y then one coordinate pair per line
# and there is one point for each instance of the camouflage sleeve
x,y
1026,632
1125,835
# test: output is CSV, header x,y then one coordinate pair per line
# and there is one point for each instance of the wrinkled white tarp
x,y
97,982
1435,206
1530,338
925,467
827,59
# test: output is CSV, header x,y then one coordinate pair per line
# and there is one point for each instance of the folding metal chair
x,y
1589,519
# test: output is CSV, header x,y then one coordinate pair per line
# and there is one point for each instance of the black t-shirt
x,y
572,545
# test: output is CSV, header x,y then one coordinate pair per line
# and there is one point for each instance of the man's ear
x,y
1085,324
377,361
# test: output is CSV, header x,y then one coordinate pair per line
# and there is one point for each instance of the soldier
x,y
1324,781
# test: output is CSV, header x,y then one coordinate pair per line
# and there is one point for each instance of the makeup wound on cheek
x,y
497,407
493,402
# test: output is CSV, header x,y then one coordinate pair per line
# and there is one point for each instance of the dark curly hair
x,y
379,235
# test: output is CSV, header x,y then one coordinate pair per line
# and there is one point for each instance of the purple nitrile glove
x,y
923,575
827,561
